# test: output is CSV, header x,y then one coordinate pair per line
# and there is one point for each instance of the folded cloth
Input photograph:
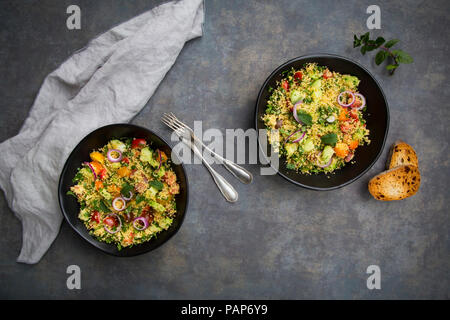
x,y
107,82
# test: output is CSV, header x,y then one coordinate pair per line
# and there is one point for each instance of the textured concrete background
x,y
278,241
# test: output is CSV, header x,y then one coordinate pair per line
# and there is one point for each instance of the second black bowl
x,y
94,140
377,121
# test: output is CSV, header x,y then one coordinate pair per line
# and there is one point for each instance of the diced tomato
x,y
298,76
285,85
95,216
327,74
110,222
138,143
357,103
126,160
345,127
354,114
102,174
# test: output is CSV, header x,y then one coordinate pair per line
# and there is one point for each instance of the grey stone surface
x,y
278,241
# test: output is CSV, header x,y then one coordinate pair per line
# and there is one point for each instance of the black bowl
x,y
377,116
94,140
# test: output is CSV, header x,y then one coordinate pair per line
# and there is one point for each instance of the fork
x,y
240,173
224,186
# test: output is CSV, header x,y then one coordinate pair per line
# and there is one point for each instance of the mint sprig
x,y
304,117
330,138
396,56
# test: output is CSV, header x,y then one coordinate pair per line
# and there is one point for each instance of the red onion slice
x,y
139,227
92,169
363,100
323,165
116,205
296,140
119,227
349,157
295,112
348,104
111,158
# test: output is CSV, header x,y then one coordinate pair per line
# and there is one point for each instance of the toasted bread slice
x,y
401,154
395,184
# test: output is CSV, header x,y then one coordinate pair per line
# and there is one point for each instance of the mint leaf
x,y
139,198
330,138
391,66
391,43
380,57
402,56
356,41
126,189
304,117
157,185
397,56
365,37
103,207
379,41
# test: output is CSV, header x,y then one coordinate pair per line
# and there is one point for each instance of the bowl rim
x,y
169,236
322,55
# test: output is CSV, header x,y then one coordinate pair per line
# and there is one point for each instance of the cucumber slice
x,y
327,153
296,96
308,145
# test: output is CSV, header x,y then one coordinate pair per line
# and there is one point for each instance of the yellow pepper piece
x,y
341,150
123,172
97,156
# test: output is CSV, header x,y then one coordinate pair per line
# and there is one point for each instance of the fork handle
x,y
236,170
224,186
243,175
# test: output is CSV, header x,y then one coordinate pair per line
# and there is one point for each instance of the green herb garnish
x,y
304,117
78,177
70,193
330,138
157,185
126,189
290,166
396,56
103,207
139,198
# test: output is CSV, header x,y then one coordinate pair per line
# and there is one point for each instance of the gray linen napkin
x,y
107,82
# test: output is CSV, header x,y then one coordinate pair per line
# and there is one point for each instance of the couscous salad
x,y
314,118
126,192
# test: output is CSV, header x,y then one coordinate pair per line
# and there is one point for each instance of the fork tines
x,y
173,123
171,118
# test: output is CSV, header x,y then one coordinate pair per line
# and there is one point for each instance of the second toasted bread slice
x,y
401,154
395,184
